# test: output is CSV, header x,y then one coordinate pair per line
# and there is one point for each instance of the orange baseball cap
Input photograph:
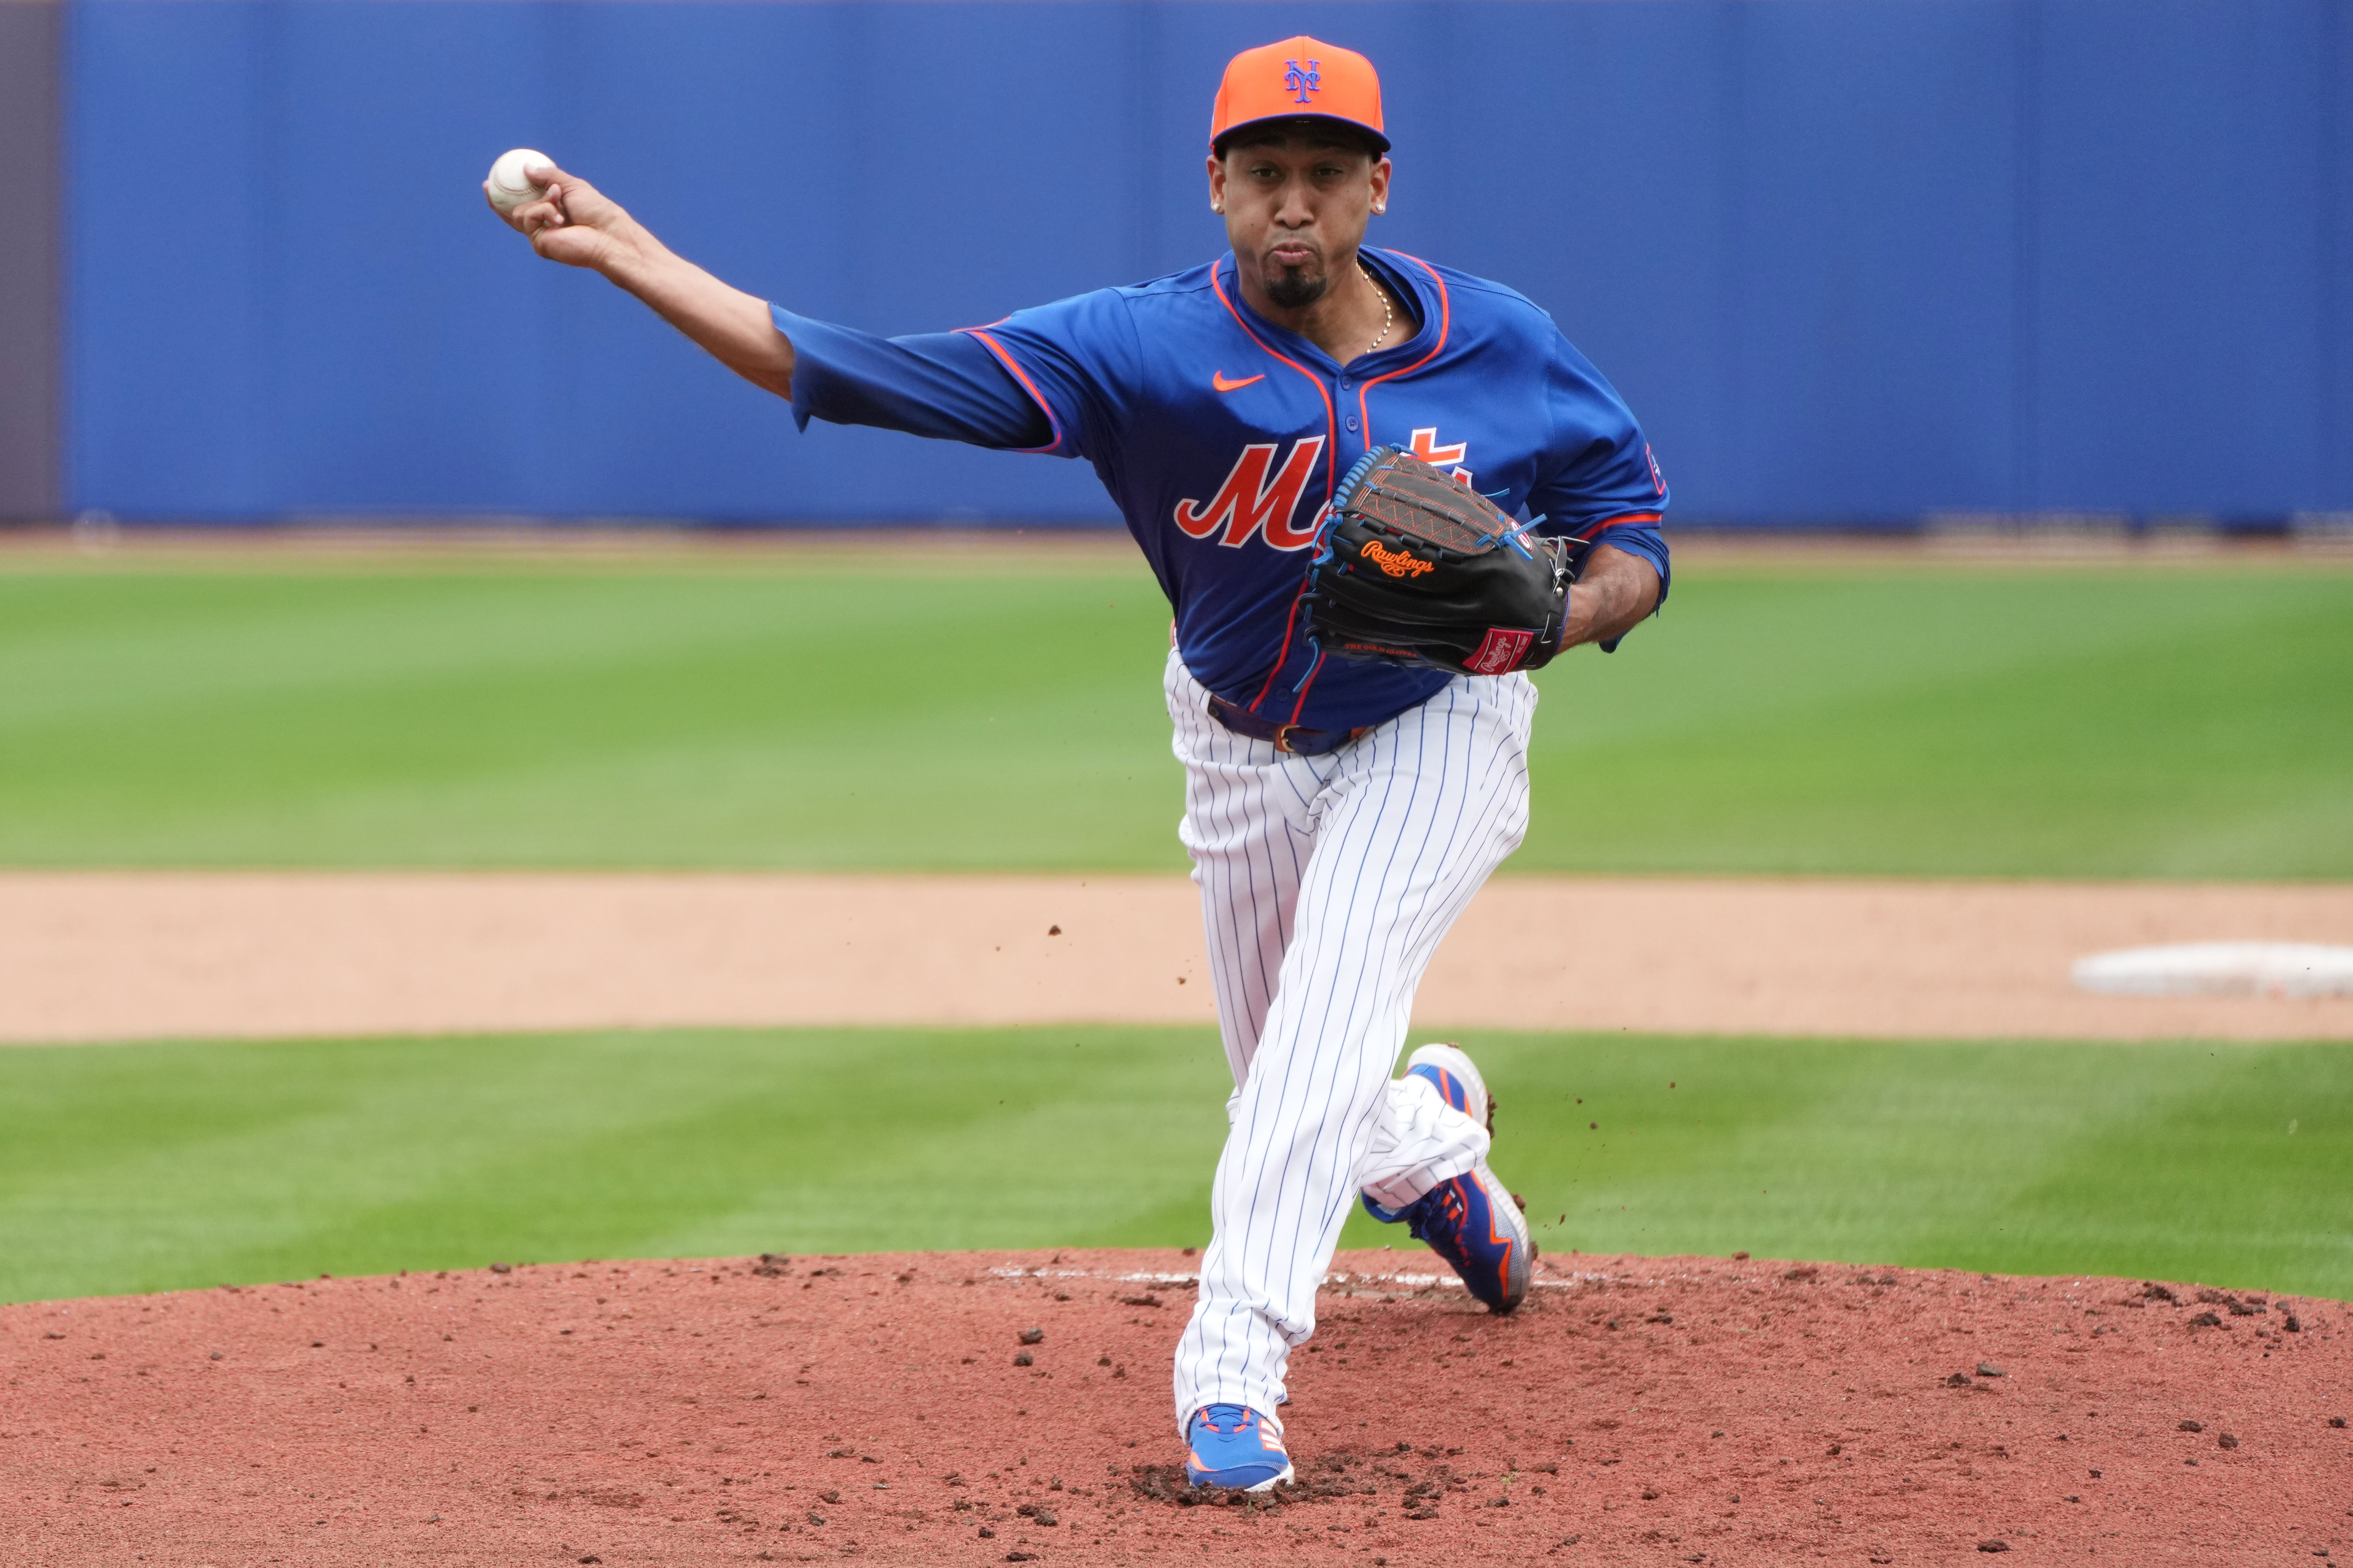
x,y
1298,78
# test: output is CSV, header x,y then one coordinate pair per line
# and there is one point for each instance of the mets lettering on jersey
x,y
1220,436
1251,502
1425,445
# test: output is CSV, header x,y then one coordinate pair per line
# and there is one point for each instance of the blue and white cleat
x,y
1473,1221
1477,1226
1456,1077
1232,1446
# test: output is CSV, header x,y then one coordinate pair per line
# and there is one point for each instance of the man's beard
x,y
1296,288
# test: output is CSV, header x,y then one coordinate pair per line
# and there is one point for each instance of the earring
x,y
1217,207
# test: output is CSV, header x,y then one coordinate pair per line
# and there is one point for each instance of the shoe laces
x,y
1441,1208
1227,1419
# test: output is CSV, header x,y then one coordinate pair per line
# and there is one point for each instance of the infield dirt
x,y
878,1408
144,955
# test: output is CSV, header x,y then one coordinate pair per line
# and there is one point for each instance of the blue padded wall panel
x,y
410,351
1871,326
2333,414
168,241
1847,259
2180,208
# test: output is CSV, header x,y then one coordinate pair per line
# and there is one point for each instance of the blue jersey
x,y
1220,435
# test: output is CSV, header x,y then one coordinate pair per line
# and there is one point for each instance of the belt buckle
x,y
1283,738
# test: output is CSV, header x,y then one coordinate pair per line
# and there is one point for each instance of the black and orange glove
x,y
1411,567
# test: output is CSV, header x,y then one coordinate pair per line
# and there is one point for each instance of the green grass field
x,y
2087,721
153,1166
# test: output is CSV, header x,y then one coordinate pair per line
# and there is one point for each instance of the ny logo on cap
x,y
1302,82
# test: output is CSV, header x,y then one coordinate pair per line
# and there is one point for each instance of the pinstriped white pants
x,y
1326,884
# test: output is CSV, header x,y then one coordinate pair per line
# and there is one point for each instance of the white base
x,y
2221,969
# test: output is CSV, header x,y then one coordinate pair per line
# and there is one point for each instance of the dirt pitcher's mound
x,y
905,1409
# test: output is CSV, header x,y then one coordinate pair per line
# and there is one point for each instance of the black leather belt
x,y
1292,738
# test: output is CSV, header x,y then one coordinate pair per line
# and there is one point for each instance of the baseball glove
x,y
1412,568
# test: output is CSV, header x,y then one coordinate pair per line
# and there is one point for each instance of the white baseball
x,y
511,181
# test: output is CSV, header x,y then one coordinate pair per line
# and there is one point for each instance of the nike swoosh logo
x,y
1217,379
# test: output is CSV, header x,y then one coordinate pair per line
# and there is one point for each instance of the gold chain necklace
x,y
1389,314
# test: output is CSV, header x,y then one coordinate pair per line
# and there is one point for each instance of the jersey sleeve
x,y
944,385
1598,481
1075,358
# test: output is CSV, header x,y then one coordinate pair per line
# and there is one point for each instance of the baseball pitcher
x,y
1376,492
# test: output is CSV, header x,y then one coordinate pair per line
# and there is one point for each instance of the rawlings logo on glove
x,y
1395,563
1412,568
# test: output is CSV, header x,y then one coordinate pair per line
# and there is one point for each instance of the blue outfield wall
x,y
1849,259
